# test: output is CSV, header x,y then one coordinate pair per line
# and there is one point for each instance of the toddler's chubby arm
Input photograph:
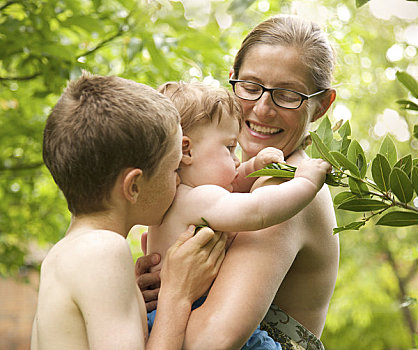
x,y
265,157
264,207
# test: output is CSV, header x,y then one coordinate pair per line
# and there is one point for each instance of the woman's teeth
x,y
263,129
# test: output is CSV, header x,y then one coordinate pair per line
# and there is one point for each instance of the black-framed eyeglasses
x,y
251,91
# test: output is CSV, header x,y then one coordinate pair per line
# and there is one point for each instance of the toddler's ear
x,y
186,148
131,184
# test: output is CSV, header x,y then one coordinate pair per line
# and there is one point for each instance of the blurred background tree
x,y
45,43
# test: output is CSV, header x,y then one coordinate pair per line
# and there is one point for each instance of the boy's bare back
x,y
90,270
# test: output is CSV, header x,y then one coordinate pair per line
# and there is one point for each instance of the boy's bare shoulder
x,y
82,250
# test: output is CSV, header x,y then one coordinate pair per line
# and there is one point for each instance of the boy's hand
x,y
267,156
314,170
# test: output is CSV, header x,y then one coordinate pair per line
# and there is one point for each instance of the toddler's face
x,y
213,154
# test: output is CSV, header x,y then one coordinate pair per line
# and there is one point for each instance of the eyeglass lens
x,y
283,98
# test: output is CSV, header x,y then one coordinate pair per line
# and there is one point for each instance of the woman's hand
x,y
148,282
192,263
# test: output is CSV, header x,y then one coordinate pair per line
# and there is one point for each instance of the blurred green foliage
x,y
45,43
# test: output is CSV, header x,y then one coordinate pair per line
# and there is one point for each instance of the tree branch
x,y
22,78
22,167
7,4
407,315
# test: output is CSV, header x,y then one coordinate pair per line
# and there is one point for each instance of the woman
x,y
282,75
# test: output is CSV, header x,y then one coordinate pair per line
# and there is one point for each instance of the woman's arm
x,y
190,266
253,269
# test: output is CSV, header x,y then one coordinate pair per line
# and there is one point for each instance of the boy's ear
x,y
325,102
231,72
131,184
186,146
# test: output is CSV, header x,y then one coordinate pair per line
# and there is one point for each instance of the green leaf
x,y
344,196
416,131
399,218
362,205
401,185
324,131
405,163
406,104
381,172
345,163
356,155
272,172
388,149
356,225
360,3
345,133
333,180
409,82
345,130
414,178
323,150
358,187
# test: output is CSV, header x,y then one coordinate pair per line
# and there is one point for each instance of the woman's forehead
x,y
276,66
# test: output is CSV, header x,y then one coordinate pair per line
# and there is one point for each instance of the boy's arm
x,y
266,156
106,295
264,207
110,302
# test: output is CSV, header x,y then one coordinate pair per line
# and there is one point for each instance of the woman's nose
x,y
265,107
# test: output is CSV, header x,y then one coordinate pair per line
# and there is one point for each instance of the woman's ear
x,y
186,146
231,73
325,102
131,184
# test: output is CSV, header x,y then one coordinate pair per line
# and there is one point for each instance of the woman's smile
x,y
261,130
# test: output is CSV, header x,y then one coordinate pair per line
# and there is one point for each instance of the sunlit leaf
x,y
358,187
406,104
345,163
356,155
356,225
345,133
405,163
401,185
360,3
388,149
323,150
381,172
362,205
415,179
409,82
324,131
399,218
344,196
273,172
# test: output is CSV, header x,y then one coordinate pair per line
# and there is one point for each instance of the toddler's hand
x,y
314,170
267,156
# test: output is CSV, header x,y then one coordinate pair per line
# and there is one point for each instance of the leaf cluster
x,y
387,193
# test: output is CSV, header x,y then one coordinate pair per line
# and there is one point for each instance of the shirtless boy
x,y
113,147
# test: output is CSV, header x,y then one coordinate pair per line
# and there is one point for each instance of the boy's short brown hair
x,y
100,126
198,103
